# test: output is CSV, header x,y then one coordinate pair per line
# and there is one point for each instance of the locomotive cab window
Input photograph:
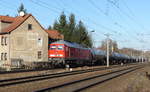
x,y
53,47
60,47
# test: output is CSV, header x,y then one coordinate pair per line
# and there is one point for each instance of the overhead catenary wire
x,y
127,15
57,10
102,12
102,26
97,24
133,15
135,18
91,20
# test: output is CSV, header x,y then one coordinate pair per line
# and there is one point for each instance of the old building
x,y
22,41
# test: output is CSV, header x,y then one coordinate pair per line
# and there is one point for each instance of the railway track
x,y
85,83
23,71
32,70
15,81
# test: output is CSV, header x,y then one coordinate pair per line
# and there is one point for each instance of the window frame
x,y
5,56
53,48
60,48
29,26
2,55
39,54
5,40
2,40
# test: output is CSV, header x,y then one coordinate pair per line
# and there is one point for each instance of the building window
x,y
29,26
39,54
5,40
39,41
2,55
5,56
2,40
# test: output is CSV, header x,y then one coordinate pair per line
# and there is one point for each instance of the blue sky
x,y
127,21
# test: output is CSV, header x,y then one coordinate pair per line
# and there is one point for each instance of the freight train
x,y
68,53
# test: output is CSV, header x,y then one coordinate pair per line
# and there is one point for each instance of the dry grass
x,y
140,83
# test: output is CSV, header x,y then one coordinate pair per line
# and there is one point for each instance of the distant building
x,y
23,41
54,35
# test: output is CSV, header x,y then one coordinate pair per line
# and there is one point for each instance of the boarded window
x,y
39,54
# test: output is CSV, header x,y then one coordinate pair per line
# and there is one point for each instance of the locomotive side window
x,y
60,47
53,47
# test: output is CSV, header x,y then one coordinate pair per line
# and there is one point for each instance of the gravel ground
x,y
23,74
135,81
32,86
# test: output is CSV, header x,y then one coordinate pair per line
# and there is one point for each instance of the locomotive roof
x,y
70,44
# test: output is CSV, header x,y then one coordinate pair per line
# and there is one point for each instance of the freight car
x,y
98,56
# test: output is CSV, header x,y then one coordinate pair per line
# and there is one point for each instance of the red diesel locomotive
x,y
62,52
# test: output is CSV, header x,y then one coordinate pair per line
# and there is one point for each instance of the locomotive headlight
x,y
52,55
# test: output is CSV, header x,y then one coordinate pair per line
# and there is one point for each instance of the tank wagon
x,y
98,56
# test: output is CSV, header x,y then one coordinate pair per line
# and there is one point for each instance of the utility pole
x,y
91,36
142,56
107,35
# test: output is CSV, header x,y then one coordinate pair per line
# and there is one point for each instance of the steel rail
x,y
14,81
74,84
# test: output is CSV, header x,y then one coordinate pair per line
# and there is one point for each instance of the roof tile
x,y
54,34
7,19
17,21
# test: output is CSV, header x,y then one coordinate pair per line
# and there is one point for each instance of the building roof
x,y
15,22
54,34
6,19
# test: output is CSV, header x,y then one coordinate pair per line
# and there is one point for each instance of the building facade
x,y
22,41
